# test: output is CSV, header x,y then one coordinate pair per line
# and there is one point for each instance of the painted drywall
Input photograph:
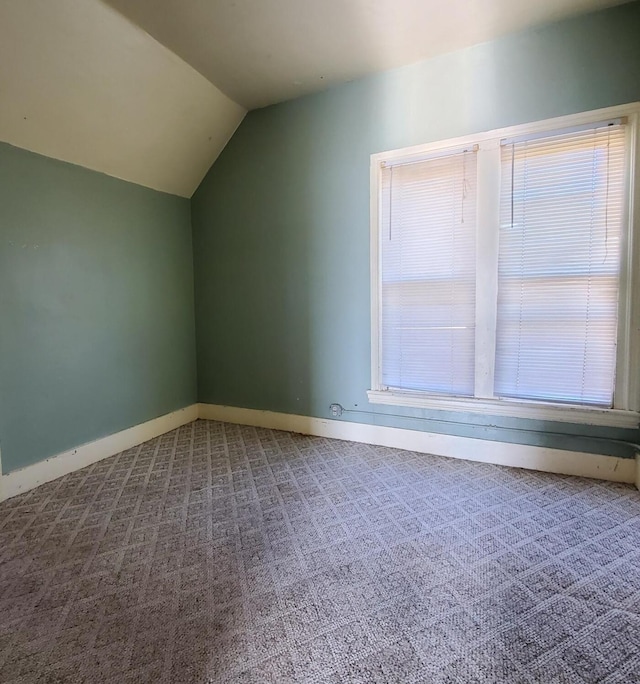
x,y
81,83
281,221
96,306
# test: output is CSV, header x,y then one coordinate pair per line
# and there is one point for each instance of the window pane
x,y
560,233
428,275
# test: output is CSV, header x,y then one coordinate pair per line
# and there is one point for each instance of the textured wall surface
x,y
281,221
96,306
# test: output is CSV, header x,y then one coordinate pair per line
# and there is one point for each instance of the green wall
x,y
96,306
281,221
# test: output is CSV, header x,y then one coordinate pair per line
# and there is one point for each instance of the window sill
x,y
510,407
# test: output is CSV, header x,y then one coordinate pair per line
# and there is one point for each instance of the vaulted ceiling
x,y
81,83
151,90
263,51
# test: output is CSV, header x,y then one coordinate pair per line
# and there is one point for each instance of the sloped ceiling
x,y
262,51
81,83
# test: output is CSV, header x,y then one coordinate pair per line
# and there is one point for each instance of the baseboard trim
x,y
27,478
561,461
546,459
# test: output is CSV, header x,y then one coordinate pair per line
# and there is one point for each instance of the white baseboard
x,y
31,476
502,453
486,451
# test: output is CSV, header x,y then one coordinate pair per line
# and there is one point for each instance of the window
x,y
429,274
502,272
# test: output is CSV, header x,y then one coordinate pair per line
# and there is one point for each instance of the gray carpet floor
x,y
221,553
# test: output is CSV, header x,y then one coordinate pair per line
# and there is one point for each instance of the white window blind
x,y
427,240
561,226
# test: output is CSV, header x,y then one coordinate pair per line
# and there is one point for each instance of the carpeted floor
x,y
221,553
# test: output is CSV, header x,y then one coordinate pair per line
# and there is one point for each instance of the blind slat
x,y
428,226
559,255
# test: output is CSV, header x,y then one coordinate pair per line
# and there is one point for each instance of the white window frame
x,y
626,405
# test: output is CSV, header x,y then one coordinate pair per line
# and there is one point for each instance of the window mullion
x,y
627,394
488,217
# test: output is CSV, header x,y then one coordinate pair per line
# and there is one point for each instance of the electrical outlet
x,y
336,410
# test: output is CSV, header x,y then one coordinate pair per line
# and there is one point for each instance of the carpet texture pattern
x,y
223,553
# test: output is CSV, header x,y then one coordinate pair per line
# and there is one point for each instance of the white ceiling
x,y
93,85
263,51
81,83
